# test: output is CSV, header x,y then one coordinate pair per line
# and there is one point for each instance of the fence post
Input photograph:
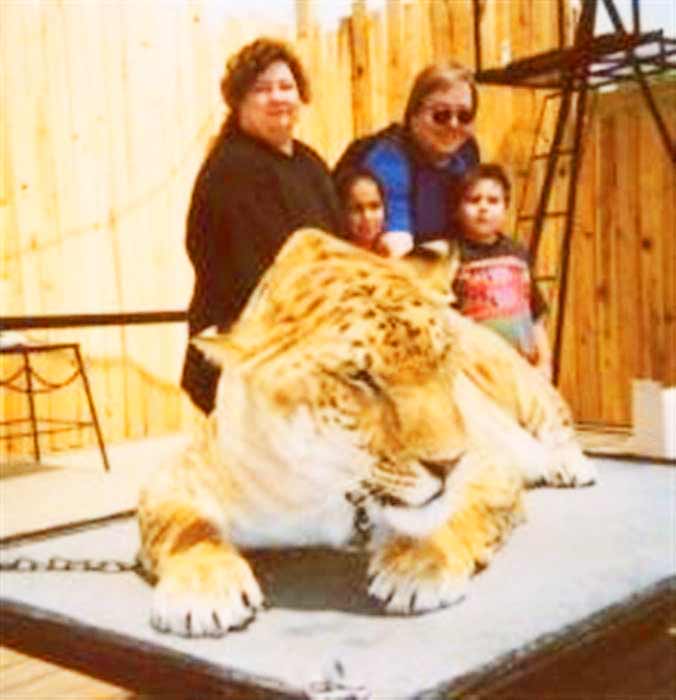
x,y
362,112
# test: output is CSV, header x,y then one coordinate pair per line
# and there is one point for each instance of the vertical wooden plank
x,y
607,272
626,296
88,209
46,253
665,356
397,68
322,87
145,209
439,19
118,194
11,267
378,59
21,40
305,48
521,28
650,288
490,37
168,208
424,33
584,361
340,104
305,20
414,58
338,113
462,31
362,113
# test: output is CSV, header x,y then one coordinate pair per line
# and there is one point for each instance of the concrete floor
x,y
70,487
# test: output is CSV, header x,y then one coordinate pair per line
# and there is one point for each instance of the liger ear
x,y
436,265
214,345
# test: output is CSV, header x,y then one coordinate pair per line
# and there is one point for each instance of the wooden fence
x,y
621,305
108,109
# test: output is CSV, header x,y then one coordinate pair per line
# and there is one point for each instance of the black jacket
x,y
248,198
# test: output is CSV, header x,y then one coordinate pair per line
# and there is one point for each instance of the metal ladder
x,y
558,144
573,71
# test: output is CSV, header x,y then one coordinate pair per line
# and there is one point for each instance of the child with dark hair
x,y
362,199
493,285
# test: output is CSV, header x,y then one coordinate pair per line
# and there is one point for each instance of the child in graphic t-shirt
x,y
493,285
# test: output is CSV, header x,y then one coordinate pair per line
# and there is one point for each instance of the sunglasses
x,y
443,116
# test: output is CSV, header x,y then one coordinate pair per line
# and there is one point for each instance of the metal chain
x,y
102,566
335,687
362,527
328,690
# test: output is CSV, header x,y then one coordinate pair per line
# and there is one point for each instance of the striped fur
x,y
354,405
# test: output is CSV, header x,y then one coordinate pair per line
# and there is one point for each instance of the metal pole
x,y
580,110
645,88
636,16
541,211
31,401
92,408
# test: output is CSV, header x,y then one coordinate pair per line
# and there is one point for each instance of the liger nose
x,y
440,468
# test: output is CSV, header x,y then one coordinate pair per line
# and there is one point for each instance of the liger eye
x,y
363,377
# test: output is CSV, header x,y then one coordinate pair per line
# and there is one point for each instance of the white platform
x,y
580,551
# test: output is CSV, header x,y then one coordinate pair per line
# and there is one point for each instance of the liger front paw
x,y
205,592
574,469
410,579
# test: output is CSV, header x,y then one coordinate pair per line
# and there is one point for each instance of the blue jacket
x,y
417,193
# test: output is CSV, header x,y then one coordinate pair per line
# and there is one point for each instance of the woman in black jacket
x,y
256,187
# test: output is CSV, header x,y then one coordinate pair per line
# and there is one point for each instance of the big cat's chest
x,y
331,522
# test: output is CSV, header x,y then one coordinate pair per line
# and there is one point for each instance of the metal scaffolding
x,y
572,72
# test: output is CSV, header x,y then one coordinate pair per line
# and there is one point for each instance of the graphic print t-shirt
x,y
494,287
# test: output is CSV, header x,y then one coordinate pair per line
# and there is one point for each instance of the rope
x,y
53,385
8,381
50,386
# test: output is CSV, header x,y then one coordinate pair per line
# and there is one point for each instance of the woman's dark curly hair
x,y
250,61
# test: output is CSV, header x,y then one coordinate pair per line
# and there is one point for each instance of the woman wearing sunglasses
x,y
418,161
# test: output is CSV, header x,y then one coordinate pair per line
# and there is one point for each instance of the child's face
x,y
483,211
365,212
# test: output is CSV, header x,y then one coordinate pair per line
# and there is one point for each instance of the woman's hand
x,y
395,244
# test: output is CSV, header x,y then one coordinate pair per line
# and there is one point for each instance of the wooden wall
x,y
621,306
108,109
